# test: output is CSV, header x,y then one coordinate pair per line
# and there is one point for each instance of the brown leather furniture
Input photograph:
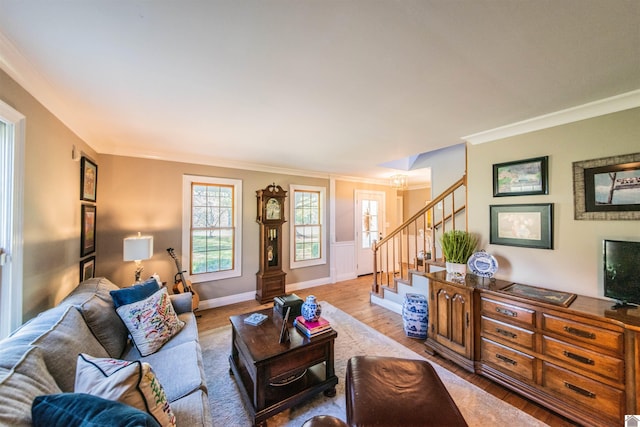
x,y
387,391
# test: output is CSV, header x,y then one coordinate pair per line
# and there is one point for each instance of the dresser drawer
x,y
594,396
508,312
590,334
598,363
507,332
507,359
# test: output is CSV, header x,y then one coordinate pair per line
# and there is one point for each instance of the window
x,y
307,211
12,126
212,227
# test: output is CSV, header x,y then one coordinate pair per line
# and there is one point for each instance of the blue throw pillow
x,y
79,409
134,293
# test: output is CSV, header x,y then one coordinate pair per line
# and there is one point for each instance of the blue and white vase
x,y
310,309
415,313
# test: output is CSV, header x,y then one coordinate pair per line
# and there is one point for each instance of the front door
x,y
369,214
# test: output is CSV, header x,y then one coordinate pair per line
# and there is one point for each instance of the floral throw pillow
x,y
129,382
151,321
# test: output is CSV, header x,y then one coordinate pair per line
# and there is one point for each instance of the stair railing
x,y
412,246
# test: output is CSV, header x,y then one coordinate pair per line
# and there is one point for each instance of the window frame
x,y
236,271
293,264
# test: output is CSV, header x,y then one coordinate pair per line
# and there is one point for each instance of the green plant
x,y
458,246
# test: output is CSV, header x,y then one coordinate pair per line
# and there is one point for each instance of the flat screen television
x,y
622,272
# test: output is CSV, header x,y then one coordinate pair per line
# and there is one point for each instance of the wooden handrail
x,y
389,274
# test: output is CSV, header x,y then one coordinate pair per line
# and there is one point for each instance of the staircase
x,y
402,258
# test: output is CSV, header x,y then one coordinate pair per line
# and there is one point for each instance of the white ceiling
x,y
334,86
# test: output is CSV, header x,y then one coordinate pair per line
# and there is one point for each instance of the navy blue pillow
x,y
80,409
134,293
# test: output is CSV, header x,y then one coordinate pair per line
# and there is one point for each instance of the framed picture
x,y
87,268
528,226
88,180
522,177
607,188
88,231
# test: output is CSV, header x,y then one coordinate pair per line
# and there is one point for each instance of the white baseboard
x,y
389,305
248,296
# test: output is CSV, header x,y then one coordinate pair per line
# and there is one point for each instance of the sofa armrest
x,y
182,302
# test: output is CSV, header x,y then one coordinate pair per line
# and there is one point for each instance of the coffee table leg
x,y
330,392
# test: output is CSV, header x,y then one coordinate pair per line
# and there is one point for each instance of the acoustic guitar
x,y
180,284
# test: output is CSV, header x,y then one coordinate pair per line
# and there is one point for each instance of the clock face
x,y
273,209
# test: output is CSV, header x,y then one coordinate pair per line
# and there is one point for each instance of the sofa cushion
x,y
20,384
185,359
94,301
62,343
134,293
130,382
151,321
193,410
85,410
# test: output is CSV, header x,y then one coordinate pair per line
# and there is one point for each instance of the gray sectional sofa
x,y
40,357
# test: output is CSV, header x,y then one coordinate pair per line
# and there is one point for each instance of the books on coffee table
x,y
311,329
256,319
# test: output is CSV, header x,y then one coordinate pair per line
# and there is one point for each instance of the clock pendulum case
x,y
270,279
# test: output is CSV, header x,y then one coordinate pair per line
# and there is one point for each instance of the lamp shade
x,y
138,248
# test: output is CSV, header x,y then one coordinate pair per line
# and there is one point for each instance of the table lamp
x,y
136,249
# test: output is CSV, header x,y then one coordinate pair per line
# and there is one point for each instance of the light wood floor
x,y
352,296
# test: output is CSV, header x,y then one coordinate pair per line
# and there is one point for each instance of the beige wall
x,y
146,195
575,263
51,202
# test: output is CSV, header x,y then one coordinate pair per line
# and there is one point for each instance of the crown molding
x,y
601,107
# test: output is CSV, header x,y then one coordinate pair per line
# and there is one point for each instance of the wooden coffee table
x,y
272,376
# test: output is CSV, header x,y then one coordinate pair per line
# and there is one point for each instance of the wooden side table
x,y
272,376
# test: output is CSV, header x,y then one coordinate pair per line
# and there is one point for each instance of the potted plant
x,y
457,248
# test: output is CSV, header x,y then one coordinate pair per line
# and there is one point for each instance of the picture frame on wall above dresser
x,y
521,177
607,188
524,225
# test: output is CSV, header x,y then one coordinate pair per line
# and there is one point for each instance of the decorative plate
x,y
482,264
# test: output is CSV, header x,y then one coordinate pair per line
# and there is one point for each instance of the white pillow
x,y
129,382
151,321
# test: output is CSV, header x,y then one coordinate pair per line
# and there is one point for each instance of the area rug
x,y
478,407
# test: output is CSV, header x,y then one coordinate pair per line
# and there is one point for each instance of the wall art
x,y
527,225
88,231
607,188
522,177
88,180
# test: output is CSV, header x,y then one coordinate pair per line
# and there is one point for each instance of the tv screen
x,y
622,271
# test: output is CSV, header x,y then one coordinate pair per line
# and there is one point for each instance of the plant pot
x,y
455,269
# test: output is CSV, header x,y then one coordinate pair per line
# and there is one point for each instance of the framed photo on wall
x,y
528,225
607,188
87,268
522,177
88,231
88,180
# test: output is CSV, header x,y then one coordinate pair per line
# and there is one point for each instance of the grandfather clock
x,y
270,280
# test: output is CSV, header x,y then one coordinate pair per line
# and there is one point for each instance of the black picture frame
x,y
88,230
88,180
87,268
523,225
594,188
521,177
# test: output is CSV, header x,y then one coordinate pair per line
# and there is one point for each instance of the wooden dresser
x,y
580,361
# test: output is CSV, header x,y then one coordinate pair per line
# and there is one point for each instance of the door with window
x,y
369,215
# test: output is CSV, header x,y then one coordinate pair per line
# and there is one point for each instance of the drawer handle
x,y
506,312
506,333
580,333
579,390
506,359
578,358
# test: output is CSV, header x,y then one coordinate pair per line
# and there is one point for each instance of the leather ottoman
x,y
387,391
